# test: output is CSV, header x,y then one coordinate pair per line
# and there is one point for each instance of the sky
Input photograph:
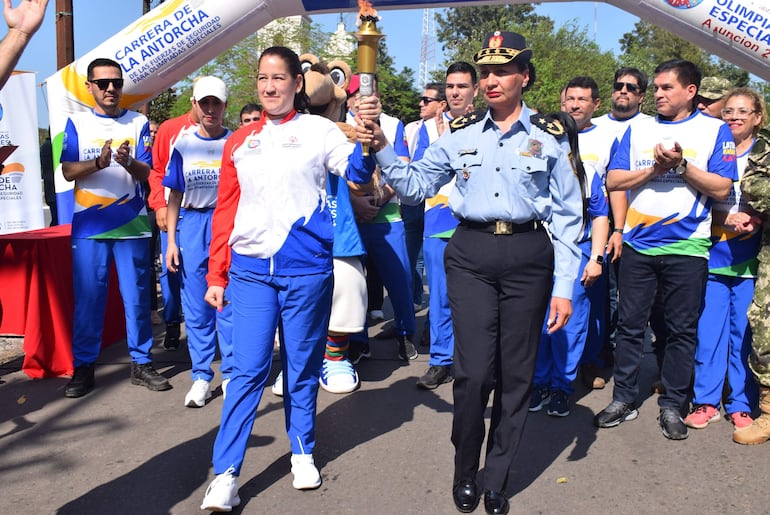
x,y
93,25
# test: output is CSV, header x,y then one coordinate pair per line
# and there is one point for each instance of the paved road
x,y
384,449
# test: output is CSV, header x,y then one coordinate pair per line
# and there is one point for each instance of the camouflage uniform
x,y
756,187
755,184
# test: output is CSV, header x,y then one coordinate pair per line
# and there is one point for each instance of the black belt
x,y
502,227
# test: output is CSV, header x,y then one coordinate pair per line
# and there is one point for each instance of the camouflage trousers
x,y
759,319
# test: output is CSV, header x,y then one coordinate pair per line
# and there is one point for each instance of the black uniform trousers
x,y
499,287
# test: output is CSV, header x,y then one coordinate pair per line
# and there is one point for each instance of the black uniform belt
x,y
502,227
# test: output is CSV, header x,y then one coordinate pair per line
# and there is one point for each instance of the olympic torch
x,y
368,38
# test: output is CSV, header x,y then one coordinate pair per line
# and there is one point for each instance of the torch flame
x,y
365,9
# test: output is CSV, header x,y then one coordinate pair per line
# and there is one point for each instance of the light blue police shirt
x,y
522,175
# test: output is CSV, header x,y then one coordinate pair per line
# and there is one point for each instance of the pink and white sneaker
x,y
701,416
740,419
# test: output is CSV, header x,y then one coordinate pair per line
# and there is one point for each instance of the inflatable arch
x,y
179,36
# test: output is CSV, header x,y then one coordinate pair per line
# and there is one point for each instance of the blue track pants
x,y
724,343
442,338
91,259
204,325
385,243
170,287
303,304
559,353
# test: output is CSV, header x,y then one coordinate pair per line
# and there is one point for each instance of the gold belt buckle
x,y
502,227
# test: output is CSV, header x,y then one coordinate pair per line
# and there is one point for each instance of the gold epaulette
x,y
553,127
468,119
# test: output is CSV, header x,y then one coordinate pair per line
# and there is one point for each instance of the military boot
x,y
759,430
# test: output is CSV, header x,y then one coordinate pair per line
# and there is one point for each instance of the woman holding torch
x,y
272,247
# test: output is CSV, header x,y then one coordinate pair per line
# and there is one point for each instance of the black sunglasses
x,y
630,86
428,100
103,84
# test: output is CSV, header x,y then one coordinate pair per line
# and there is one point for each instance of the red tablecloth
x,y
36,299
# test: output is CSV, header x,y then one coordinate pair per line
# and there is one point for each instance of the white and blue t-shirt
x,y
194,169
596,195
734,254
109,203
667,215
596,145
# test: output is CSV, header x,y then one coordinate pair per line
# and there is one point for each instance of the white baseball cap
x,y
210,87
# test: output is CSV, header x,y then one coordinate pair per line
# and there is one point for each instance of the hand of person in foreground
x,y
26,17
558,316
215,296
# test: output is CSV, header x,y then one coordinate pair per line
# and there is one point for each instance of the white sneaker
x,y
199,393
306,476
225,382
222,493
277,387
338,376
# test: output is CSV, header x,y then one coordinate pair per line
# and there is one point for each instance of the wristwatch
x,y
681,168
598,258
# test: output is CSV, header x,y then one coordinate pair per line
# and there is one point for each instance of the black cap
x,y
503,47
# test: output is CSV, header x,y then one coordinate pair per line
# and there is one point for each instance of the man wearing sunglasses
x,y
461,87
106,152
419,135
628,90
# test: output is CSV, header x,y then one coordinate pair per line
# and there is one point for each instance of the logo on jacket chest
x,y
291,142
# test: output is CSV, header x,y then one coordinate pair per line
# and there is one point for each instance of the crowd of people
x,y
532,227
553,244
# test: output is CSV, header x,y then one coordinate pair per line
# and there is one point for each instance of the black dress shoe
x,y
466,495
495,502
81,383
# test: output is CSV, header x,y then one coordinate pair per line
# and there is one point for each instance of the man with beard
x,y
628,90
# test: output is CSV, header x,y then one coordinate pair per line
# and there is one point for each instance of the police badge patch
x,y
535,148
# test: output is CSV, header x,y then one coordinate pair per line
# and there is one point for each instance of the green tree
x,y
462,29
653,45
238,66
397,93
398,96
559,54
648,45
162,105
763,88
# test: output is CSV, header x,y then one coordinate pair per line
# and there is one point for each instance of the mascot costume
x,y
325,85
